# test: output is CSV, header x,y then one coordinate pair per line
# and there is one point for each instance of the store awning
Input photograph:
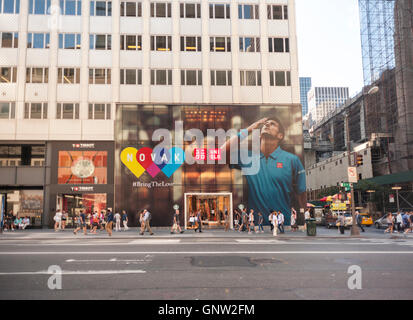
x,y
396,178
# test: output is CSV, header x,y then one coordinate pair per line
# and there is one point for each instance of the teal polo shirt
x,y
279,177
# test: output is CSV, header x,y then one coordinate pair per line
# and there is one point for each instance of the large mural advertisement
x,y
212,158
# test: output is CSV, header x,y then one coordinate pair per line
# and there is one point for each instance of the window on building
x,y
99,111
69,111
161,10
35,110
9,39
191,44
161,43
101,8
99,76
191,77
248,11
131,9
70,41
39,6
278,45
68,75
130,76
250,78
10,6
38,40
100,42
220,44
161,77
280,78
7,110
37,75
219,11
221,78
248,44
277,12
130,42
71,7
190,10
8,74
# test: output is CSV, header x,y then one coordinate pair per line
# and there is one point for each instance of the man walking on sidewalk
x,y
146,220
199,220
359,220
280,222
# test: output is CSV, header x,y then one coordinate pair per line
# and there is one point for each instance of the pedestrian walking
x,y
270,219
275,223
260,222
340,223
175,223
280,218
389,221
64,220
399,222
109,222
359,220
199,221
95,222
251,221
102,220
226,216
117,221
81,222
146,220
236,219
244,220
294,226
125,220
307,216
58,220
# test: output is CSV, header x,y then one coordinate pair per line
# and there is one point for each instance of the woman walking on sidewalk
x,y
109,222
125,220
275,223
175,223
389,221
260,222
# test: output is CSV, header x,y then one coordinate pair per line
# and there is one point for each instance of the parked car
x,y
382,222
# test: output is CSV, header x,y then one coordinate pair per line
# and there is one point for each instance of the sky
x,y
329,48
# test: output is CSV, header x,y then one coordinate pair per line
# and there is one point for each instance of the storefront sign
x,y
83,145
82,189
339,206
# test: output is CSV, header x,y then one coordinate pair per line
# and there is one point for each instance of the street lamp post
x,y
354,229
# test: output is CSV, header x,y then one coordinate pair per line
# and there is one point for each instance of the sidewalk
x,y
164,233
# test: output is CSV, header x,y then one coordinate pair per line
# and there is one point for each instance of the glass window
x,y
4,110
38,40
100,42
190,10
36,111
191,77
160,10
7,40
70,8
131,9
69,75
219,11
8,6
278,45
248,11
277,12
101,8
69,41
287,45
100,111
279,78
37,75
100,76
221,78
130,76
220,44
161,77
68,110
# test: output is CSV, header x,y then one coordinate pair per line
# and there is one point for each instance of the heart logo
x,y
145,158
162,157
177,158
128,158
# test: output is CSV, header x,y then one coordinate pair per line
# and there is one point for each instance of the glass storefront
x,y
72,204
157,191
25,203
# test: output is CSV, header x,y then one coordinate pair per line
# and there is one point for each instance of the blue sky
x,y
329,49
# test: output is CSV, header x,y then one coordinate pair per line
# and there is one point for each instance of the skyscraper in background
x,y
305,86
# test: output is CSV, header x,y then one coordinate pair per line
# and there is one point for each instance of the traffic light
x,y
359,160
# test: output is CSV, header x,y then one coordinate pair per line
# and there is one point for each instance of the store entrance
x,y
71,204
212,206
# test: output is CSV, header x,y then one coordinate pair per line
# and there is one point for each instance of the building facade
x,y
305,86
70,68
323,100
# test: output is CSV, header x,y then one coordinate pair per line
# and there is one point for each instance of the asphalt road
x,y
211,268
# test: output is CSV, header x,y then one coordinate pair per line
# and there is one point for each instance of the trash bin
x,y
311,227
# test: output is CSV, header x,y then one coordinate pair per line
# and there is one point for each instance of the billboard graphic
x,y
186,155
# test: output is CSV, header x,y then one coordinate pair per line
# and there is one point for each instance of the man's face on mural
x,y
272,129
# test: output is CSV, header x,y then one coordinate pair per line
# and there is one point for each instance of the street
x,y
214,265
